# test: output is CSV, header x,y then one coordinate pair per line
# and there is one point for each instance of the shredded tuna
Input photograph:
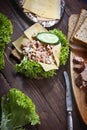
x,y
39,52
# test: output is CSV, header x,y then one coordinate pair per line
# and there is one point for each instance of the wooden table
x,y
47,94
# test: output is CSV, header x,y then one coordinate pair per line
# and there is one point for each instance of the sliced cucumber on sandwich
x,y
47,37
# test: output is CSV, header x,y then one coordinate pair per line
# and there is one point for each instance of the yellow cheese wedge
x,y
46,9
19,41
38,17
44,19
48,67
56,53
33,30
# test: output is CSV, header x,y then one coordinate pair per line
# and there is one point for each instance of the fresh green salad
x,y
34,70
17,111
6,30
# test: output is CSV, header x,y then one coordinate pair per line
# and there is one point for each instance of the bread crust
x,y
71,24
81,34
82,16
76,44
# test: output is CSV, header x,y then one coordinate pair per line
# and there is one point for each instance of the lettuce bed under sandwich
x,y
40,52
6,30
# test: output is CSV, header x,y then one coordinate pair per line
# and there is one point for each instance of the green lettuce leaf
x,y
65,46
6,30
32,69
17,110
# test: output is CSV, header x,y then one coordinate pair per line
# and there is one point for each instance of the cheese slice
x,y
46,9
44,19
19,41
48,67
38,17
16,54
33,30
56,53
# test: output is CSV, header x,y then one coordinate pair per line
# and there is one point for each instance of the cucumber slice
x,y
47,37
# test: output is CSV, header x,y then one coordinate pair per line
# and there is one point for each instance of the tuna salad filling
x,y
39,52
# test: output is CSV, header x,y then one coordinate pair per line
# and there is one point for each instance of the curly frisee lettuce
x,y
6,30
17,111
65,46
34,70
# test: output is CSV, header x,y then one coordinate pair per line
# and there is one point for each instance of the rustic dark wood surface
x,y
47,94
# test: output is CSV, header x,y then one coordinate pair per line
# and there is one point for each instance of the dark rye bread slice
x,y
73,19
81,34
82,16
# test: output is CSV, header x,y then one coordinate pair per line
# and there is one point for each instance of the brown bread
x,y
82,16
73,19
74,23
71,24
81,34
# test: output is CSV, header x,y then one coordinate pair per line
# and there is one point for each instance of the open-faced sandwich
x,y
40,52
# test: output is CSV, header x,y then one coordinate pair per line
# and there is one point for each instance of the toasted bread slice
x,y
81,34
82,16
71,24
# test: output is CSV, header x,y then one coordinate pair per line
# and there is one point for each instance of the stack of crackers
x,y
77,31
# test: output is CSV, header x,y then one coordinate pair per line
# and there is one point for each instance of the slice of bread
x,y
71,24
81,34
73,19
82,16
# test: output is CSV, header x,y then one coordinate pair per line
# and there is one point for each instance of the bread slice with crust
x,y
81,34
82,16
71,24
73,19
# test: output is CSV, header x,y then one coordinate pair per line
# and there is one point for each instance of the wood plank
x,y
48,113
4,86
80,95
47,94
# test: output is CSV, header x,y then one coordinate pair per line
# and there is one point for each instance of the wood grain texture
x,y
47,94
80,95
